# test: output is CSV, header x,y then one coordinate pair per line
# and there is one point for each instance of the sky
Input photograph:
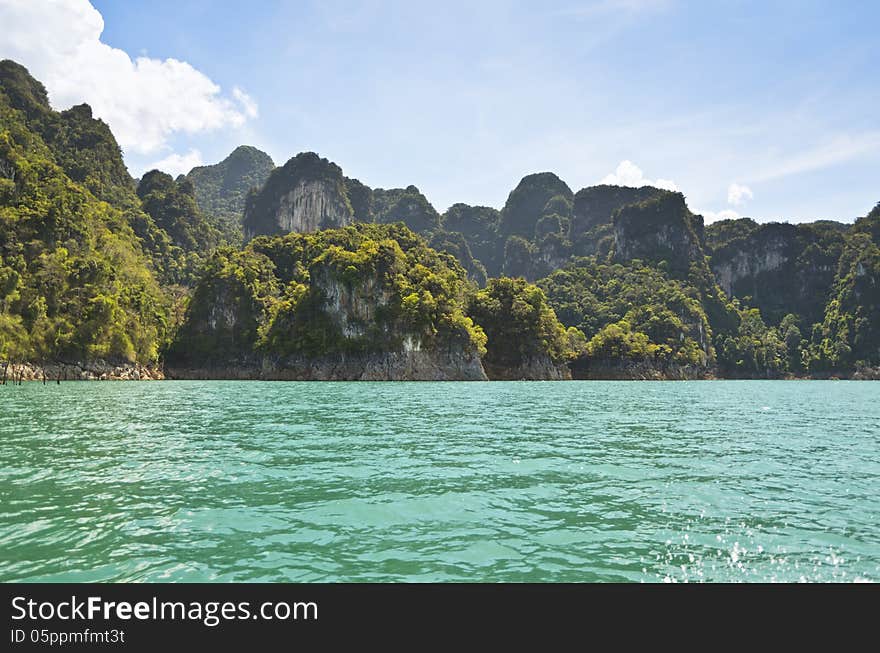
x,y
763,109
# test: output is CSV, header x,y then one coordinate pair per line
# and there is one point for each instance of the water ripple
x,y
580,481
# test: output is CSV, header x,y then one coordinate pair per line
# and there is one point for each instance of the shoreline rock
x,y
388,366
539,368
393,366
628,370
97,370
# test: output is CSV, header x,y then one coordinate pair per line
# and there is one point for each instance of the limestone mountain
x,y
534,197
478,225
659,230
173,207
364,302
407,205
86,151
306,194
340,280
780,268
591,222
75,284
83,146
849,335
361,198
525,338
221,189
639,321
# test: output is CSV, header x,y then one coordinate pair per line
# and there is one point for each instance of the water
x,y
577,481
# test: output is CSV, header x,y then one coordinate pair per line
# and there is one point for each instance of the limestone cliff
x,y
369,302
535,368
306,194
86,370
401,365
221,188
659,229
594,206
781,268
619,369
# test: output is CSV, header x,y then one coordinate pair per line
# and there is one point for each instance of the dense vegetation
x,y
93,265
478,225
363,288
86,152
521,326
74,282
264,206
778,268
172,205
406,205
632,311
849,335
221,189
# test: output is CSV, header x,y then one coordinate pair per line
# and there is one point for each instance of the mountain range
x,y
247,270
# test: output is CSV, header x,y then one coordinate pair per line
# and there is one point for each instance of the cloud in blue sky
x,y
629,174
177,164
145,101
750,107
738,194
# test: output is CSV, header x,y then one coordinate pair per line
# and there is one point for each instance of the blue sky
x,y
764,109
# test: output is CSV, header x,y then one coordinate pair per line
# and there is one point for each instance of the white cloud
x,y
178,164
714,216
248,105
738,193
144,100
629,174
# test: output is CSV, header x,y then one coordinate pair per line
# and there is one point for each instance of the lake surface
x,y
519,481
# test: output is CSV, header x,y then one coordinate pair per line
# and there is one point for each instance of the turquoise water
x,y
575,481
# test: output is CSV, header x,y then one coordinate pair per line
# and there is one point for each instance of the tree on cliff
x,y
521,327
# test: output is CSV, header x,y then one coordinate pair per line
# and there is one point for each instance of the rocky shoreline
x,y
537,368
627,370
397,366
389,366
98,370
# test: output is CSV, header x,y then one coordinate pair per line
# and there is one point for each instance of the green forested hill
x,y
615,305
221,189
94,266
74,281
849,335
173,207
361,289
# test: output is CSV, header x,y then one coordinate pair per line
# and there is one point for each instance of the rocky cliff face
x,y
660,229
312,205
342,304
87,370
594,206
412,365
352,307
628,370
734,264
536,368
221,188
782,268
308,193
